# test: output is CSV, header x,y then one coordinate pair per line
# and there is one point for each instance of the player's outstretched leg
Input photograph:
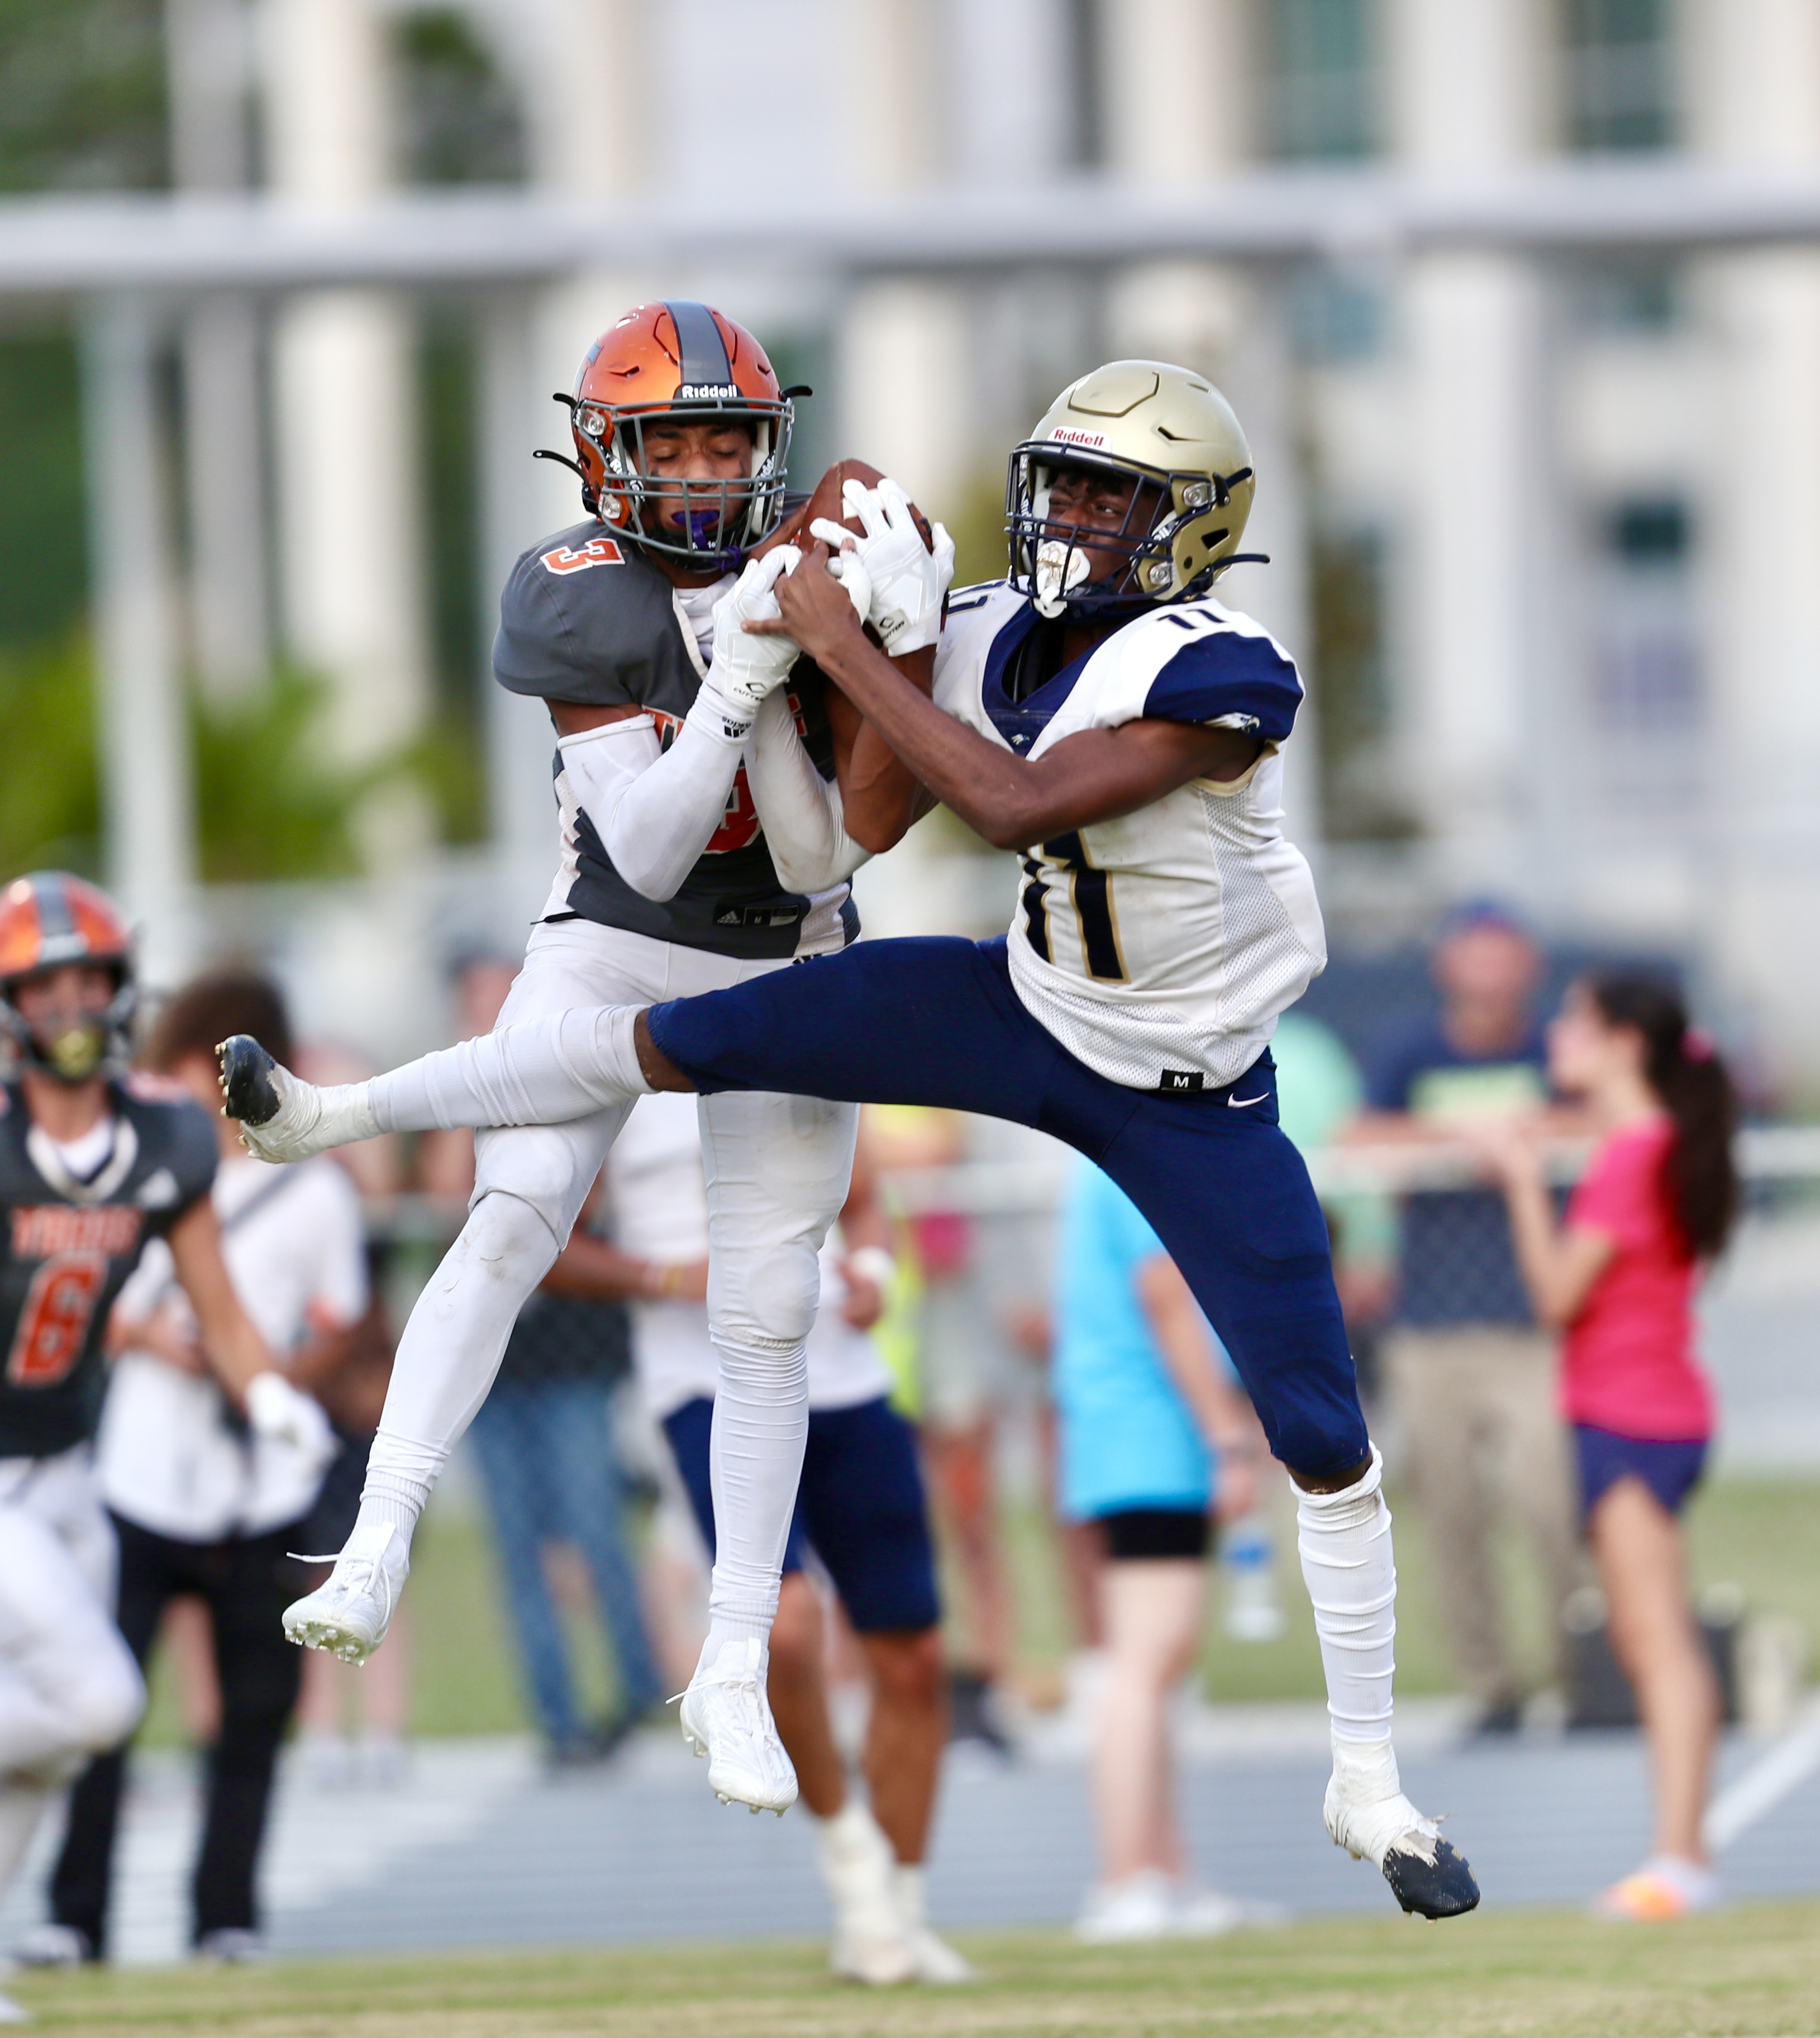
x,y
283,1117
1344,1541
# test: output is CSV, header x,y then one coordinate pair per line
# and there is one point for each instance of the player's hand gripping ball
x,y
907,568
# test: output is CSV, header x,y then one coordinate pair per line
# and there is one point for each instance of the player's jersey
x,y
1159,948
69,1246
586,619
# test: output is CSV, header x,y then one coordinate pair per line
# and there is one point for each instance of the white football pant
x,y
776,1168
68,1687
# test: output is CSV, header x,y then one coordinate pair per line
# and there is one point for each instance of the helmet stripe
x,y
704,352
56,920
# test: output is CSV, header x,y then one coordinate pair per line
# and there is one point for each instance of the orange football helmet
x,y
49,920
687,362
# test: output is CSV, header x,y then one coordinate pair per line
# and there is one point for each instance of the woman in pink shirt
x,y
1618,1278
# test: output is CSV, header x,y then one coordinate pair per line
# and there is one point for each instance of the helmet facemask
x,y
721,520
72,1046
1170,523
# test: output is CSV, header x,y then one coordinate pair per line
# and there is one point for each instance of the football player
x,y
710,822
93,1163
1099,713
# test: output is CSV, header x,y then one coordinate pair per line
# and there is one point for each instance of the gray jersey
x,y
586,619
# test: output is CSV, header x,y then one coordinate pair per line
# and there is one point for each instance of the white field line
x,y
1781,1771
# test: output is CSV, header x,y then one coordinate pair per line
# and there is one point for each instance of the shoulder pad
x,y
580,608
1200,662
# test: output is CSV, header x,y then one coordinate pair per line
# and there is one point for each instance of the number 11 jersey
x,y
67,1246
1160,948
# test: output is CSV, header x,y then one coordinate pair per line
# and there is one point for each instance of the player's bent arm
x,y
881,797
802,813
234,1349
1011,801
654,810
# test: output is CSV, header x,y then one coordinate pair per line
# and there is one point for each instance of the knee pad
x,y
764,1296
538,1165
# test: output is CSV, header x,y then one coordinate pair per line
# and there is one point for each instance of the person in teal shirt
x,y
1151,1427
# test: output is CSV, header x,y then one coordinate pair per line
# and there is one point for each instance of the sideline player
x,y
1100,714
93,1163
692,860
861,1509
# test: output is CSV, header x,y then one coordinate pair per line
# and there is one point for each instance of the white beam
x,y
62,246
147,795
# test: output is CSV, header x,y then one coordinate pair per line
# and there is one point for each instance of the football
x,y
826,501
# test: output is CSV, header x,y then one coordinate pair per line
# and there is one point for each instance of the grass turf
x,y
1753,1971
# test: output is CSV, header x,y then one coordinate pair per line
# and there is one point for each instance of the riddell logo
x,y
697,391
1069,436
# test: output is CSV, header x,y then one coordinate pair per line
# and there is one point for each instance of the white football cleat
x,y
726,1719
280,1116
13,2013
348,1615
870,1945
1366,1813
937,1961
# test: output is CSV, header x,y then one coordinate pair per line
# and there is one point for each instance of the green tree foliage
x,y
81,95
267,805
50,809
42,565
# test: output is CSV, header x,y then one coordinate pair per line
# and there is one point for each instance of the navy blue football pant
x,y
937,1022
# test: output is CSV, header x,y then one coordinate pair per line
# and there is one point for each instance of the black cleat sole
x,y
1443,1888
247,1090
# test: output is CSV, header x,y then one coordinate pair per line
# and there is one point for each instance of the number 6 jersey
x,y
1158,948
68,1246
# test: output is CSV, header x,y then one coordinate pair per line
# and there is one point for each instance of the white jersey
x,y
295,1247
1159,948
659,1203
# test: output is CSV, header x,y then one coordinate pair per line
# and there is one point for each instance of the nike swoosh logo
x,y
1239,1103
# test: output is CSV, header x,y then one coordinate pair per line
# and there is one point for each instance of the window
x,y
1321,63
1648,691
1349,577
1619,84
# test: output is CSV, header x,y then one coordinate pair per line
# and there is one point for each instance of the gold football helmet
x,y
1173,431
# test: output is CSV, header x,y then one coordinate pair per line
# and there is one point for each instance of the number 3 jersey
x,y
1159,948
68,1246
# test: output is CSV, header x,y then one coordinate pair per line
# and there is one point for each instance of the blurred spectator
x,y
351,1716
1148,1412
1619,1278
544,1438
203,1506
1470,1374
957,1349
861,1518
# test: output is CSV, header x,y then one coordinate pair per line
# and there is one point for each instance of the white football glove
x,y
909,581
744,668
284,1413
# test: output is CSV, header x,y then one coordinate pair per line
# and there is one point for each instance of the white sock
x,y
22,1805
755,1462
1344,1541
450,1352
541,1072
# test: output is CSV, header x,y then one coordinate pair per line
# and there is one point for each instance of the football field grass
x,y
1753,1971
